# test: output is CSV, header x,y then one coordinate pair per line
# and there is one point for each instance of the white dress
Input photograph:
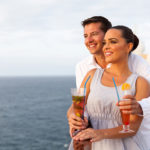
x,y
104,114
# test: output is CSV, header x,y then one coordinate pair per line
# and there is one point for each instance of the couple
x,y
112,45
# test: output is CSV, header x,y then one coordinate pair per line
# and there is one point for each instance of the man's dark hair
x,y
106,24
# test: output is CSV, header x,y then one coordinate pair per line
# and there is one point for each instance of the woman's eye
x,y
113,42
103,43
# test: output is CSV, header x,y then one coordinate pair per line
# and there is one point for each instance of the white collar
x,y
91,61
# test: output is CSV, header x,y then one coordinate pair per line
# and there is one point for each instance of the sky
x,y
45,37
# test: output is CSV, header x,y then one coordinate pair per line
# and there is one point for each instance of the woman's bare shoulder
x,y
88,77
142,88
92,72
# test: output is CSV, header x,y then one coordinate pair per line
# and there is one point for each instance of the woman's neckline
x,y
113,85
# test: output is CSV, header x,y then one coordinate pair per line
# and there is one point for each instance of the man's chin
x,y
94,52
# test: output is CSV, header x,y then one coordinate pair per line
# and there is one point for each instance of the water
x,y
33,113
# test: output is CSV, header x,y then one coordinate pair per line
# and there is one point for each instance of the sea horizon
x,y
1,76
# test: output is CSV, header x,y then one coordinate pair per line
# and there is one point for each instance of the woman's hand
x,y
76,123
89,134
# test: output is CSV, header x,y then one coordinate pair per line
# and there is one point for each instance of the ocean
x,y
33,113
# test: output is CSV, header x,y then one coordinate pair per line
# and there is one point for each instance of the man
x,y
94,31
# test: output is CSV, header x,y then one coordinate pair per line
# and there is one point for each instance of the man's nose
x,y
90,39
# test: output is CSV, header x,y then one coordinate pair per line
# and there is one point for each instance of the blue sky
x,y
45,37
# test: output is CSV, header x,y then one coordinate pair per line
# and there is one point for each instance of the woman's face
x,y
115,47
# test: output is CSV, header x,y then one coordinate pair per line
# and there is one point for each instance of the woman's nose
x,y
106,46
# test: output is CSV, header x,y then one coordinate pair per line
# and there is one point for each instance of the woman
x,y
104,115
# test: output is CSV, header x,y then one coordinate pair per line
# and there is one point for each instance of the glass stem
x,y
126,127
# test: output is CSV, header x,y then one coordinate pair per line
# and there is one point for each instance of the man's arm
x,y
140,66
82,68
79,75
75,122
145,106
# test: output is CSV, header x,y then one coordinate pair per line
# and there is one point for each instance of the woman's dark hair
x,y
128,35
106,24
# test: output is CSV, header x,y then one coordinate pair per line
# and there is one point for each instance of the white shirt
x,y
136,65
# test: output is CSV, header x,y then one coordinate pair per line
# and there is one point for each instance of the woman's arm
x,y
74,121
142,91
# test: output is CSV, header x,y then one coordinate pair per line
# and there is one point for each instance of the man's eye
x,y
95,33
85,36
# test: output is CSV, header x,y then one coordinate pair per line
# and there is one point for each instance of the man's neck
x,y
100,60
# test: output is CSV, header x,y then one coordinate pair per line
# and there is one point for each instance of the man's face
x,y
94,36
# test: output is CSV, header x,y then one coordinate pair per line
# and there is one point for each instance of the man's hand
x,y
76,123
130,106
79,145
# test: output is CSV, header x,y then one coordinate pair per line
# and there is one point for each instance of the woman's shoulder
x,y
92,71
89,76
142,87
142,81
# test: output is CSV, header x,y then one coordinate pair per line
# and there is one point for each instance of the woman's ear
x,y
130,46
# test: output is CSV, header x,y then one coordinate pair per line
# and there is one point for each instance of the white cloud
x,y
36,35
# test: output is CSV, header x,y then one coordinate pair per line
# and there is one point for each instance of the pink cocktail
x,y
126,88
